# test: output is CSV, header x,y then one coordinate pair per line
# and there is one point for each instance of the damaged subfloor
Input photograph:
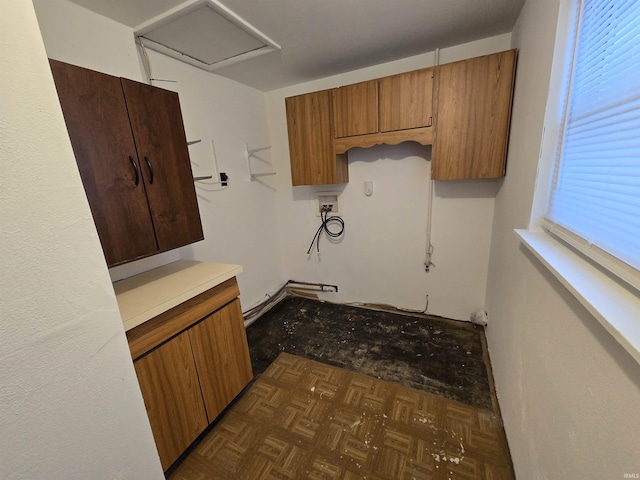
x,y
429,353
342,392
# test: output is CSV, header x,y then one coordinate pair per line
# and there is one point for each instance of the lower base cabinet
x,y
221,353
188,378
169,384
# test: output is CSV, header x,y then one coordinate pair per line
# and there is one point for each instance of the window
x,y
595,198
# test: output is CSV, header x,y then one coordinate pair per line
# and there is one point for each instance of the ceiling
x,y
319,38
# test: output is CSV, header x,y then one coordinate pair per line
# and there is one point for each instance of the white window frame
x,y
606,289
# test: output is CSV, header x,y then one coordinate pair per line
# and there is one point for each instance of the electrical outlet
x,y
368,188
326,202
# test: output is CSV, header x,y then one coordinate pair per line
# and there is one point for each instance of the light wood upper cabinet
x,y
388,110
323,126
463,109
473,111
311,148
406,100
355,109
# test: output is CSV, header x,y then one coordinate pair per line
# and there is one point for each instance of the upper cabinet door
x,y
96,117
473,111
156,121
355,109
406,100
311,147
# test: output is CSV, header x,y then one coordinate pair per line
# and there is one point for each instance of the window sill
x,y
615,307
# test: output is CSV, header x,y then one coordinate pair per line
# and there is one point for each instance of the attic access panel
x,y
206,34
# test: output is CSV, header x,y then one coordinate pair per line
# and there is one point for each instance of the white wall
x,y
381,258
239,222
70,406
76,35
267,225
569,393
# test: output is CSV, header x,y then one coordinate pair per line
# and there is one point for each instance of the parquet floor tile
x,y
305,420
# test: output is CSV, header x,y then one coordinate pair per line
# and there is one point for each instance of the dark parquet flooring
x,y
305,420
427,353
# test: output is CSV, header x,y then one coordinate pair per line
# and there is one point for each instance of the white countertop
x,y
144,296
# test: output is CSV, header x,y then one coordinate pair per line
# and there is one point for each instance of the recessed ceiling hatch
x,y
204,33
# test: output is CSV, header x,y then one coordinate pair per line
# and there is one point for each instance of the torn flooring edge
x,y
291,287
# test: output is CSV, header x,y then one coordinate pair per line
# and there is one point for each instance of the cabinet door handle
x,y
135,169
146,159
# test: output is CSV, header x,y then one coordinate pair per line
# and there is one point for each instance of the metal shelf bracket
x,y
205,177
251,152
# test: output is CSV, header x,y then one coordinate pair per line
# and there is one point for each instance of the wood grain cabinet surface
x,y
406,100
169,384
463,109
221,354
311,148
473,112
387,110
129,142
190,366
355,109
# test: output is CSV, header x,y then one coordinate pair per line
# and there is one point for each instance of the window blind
x,y
596,195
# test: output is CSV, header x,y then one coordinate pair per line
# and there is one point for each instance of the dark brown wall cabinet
x,y
130,146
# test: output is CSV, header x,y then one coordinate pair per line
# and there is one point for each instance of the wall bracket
x,y
251,152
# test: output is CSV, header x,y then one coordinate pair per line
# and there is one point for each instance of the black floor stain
x,y
440,356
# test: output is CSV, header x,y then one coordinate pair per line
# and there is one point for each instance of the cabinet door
x,y
355,109
406,100
311,148
169,384
156,121
98,125
473,110
222,358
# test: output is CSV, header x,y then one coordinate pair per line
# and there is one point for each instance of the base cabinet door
x,y
191,362
221,355
169,383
